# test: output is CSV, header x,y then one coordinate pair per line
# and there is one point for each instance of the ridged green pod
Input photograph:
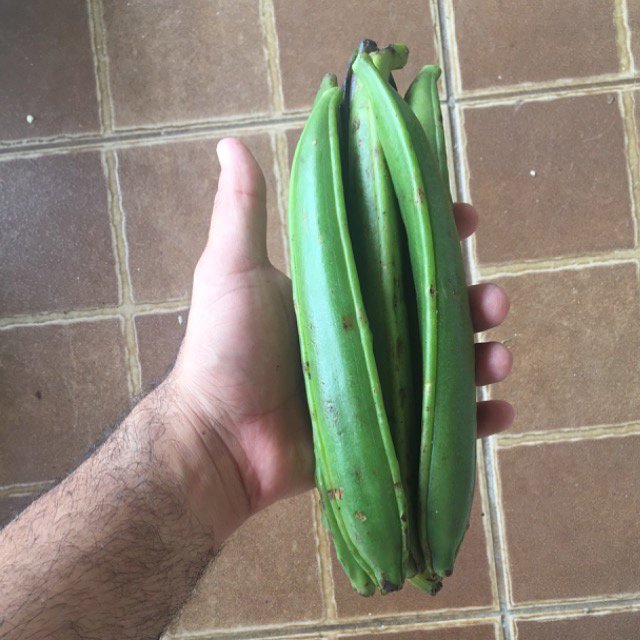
x,y
422,97
447,454
376,233
357,470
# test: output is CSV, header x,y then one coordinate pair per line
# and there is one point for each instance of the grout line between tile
x,y
121,252
116,211
92,314
627,103
618,256
452,77
117,246
512,630
386,631
498,632
486,521
324,559
260,123
462,173
560,609
128,138
501,553
563,87
451,58
638,273
21,489
170,306
57,318
101,64
133,355
435,21
460,618
623,36
577,434
572,607
272,53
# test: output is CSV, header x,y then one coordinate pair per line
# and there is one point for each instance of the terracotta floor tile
x,y
575,340
46,45
468,587
62,386
293,135
267,574
172,61
621,626
570,519
475,632
320,39
56,253
159,337
10,507
167,196
549,178
500,45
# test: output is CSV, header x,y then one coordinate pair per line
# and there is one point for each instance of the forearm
x,y
116,548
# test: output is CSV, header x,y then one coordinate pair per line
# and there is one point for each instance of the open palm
x,y
239,366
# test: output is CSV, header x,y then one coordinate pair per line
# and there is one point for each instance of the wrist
x,y
202,465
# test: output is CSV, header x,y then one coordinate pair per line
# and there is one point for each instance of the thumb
x,y
238,232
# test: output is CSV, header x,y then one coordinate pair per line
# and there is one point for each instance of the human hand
x,y
238,376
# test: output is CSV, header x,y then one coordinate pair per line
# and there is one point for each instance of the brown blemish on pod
x,y
348,322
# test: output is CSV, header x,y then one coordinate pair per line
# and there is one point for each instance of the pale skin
x,y
115,549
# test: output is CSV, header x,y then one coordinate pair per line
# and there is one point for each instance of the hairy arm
x,y
115,549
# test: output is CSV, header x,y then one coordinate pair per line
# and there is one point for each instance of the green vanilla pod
x,y
357,469
447,452
422,97
375,227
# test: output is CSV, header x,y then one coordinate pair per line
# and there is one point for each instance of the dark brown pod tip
x,y
367,46
388,586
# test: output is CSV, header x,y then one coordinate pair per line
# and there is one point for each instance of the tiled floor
x,y
110,115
